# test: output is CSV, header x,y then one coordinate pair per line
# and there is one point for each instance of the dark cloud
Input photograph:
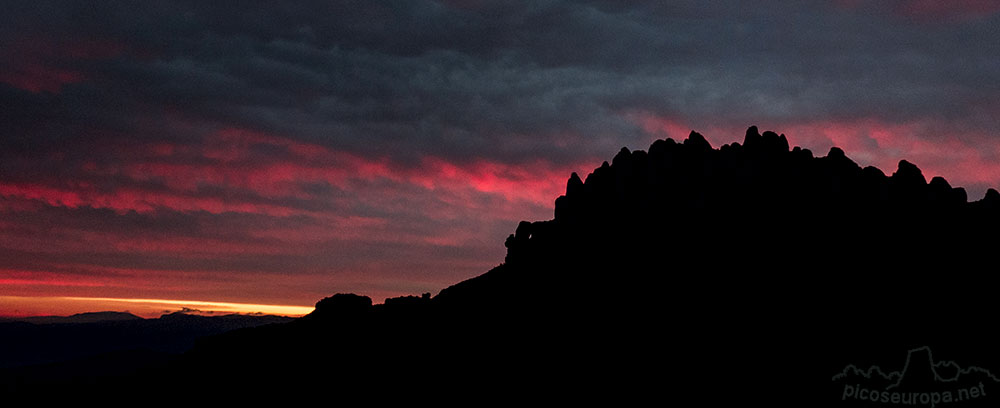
x,y
416,74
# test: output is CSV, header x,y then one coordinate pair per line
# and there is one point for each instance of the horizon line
x,y
199,305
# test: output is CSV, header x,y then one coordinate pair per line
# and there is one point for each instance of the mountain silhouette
x,y
89,317
739,275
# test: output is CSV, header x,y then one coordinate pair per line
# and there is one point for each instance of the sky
x,y
168,154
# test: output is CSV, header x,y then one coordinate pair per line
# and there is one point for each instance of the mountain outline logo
x,y
898,376
921,381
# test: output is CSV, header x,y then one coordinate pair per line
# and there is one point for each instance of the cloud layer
x,y
267,153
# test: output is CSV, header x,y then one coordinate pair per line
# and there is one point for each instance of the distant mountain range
x,y
681,275
90,317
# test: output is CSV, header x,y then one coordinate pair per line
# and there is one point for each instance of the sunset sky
x,y
268,154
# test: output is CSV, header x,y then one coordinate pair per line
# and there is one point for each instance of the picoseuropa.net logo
x,y
921,382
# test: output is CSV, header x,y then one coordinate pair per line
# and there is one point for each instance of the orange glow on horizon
x,y
22,306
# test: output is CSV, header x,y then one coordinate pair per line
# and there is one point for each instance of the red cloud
x,y
963,158
223,175
39,78
38,64
252,195
49,195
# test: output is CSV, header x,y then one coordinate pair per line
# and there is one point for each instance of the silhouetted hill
x,y
89,317
748,274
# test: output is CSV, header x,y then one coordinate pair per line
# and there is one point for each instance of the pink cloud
x,y
274,213
225,164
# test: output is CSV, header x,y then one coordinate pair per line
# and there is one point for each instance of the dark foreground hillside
x,y
39,354
682,275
